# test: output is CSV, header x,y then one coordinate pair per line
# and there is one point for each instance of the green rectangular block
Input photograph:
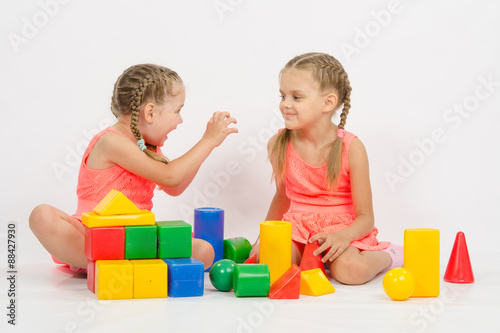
x,y
141,242
174,239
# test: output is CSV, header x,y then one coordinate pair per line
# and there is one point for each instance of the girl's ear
x,y
148,112
331,101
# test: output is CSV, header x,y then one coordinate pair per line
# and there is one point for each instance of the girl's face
x,y
301,102
165,117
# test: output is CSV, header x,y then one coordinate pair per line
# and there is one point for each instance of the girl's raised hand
x,y
218,128
336,241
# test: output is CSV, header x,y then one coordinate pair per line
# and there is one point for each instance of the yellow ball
x,y
399,283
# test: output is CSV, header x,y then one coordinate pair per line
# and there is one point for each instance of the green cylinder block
x,y
251,280
237,249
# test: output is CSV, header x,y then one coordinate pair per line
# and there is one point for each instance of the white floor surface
x,y
53,299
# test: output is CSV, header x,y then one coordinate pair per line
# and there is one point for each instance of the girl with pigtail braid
x,y
321,174
147,101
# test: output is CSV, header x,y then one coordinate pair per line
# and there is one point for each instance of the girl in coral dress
x,y
147,101
321,173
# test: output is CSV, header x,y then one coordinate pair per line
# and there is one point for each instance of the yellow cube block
x,y
421,257
93,220
314,283
114,203
150,278
275,247
114,279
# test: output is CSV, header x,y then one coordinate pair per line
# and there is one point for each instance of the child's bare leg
x,y
358,267
62,235
297,251
203,251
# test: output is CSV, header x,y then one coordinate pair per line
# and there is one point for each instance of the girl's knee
x,y
349,271
39,217
203,251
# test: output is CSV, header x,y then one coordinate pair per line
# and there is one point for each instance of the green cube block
x,y
174,239
141,242
237,249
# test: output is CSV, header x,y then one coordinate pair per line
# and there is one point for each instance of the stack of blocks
x,y
130,255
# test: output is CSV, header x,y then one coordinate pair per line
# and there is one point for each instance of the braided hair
x,y
331,75
137,86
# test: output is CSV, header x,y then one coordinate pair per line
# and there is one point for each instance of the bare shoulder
x,y
357,154
107,148
110,140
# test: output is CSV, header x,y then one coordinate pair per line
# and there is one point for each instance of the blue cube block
x,y
185,277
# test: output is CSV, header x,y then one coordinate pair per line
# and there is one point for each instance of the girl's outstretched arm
x,y
175,176
362,199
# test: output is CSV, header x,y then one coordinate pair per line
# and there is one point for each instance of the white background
x,y
412,65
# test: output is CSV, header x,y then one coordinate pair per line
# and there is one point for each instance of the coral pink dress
x,y
94,184
314,208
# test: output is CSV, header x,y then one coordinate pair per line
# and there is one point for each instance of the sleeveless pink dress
x,y
314,208
94,184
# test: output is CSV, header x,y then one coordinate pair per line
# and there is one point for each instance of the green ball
x,y
221,274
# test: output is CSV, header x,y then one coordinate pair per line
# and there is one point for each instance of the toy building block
x,y
115,203
459,269
421,257
251,280
185,277
314,283
93,220
114,279
399,283
107,243
222,274
91,275
237,249
309,260
209,226
276,247
287,286
174,239
150,278
141,242
252,259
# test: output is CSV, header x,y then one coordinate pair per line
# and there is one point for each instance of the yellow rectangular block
x,y
114,203
150,278
421,257
314,283
114,279
275,247
93,220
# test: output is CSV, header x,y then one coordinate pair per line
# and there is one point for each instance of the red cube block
x,y
106,243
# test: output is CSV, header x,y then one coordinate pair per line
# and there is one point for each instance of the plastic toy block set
x,y
273,276
130,255
419,276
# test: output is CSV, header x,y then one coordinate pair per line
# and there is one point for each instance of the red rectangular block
x,y
106,243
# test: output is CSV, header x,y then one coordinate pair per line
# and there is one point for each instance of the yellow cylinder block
x,y
421,257
275,248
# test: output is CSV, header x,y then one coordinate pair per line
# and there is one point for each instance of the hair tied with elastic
x,y
141,144
340,133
